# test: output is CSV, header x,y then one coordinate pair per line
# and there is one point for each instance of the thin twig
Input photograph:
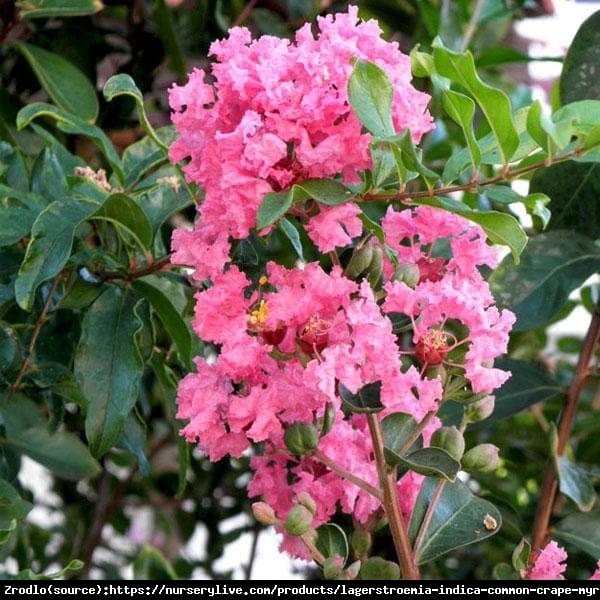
x,y
241,18
344,474
416,432
471,25
387,482
157,265
549,486
41,320
253,547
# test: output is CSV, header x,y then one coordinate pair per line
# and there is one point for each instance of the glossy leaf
x,y
434,462
370,93
495,105
145,155
15,224
574,483
293,236
579,78
273,206
66,85
44,9
552,266
332,541
397,429
459,518
324,191
581,530
366,400
50,245
461,110
108,365
133,439
73,125
165,297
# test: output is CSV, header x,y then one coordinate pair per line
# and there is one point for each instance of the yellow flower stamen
x,y
258,316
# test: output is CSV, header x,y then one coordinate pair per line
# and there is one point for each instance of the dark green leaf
x,y
292,234
50,245
574,483
74,125
366,400
552,266
579,79
61,452
167,300
397,429
15,224
12,506
332,541
434,462
9,348
144,155
495,105
13,170
108,365
161,201
42,9
501,55
170,36
370,93
133,439
529,384
48,178
273,206
461,110
574,189
62,81
581,530
459,518
124,212
151,564
324,191
376,568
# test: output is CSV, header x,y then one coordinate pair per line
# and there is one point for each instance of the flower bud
x,y
449,439
359,261
407,273
480,410
376,267
483,458
299,520
361,542
332,567
305,499
301,438
263,513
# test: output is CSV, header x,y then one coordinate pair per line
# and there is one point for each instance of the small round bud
x,y
263,513
480,410
361,542
375,269
359,262
301,438
449,439
332,567
299,520
305,499
483,458
407,273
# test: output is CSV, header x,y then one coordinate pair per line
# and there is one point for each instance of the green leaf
x,y
461,110
123,211
495,105
50,245
397,429
61,452
370,93
552,266
459,519
376,568
500,55
170,37
73,125
108,365
163,295
273,206
144,155
434,462
291,233
9,348
183,461
12,508
366,400
574,189
43,9
581,530
123,85
574,483
161,201
324,191
48,178
151,564
133,439
332,541
62,81
529,384
579,78
15,224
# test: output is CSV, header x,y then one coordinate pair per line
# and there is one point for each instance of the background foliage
x,y
94,327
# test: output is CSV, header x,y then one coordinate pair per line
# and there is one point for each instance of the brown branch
x,y
157,265
504,176
41,321
387,482
241,18
549,487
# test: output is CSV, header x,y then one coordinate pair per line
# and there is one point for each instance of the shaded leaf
x,y
42,9
332,541
574,483
397,429
324,191
581,530
293,236
434,462
273,206
13,508
133,439
366,400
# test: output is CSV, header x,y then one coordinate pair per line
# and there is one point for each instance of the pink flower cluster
x,y
550,564
286,342
278,113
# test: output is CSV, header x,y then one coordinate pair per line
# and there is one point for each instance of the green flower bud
x,y
299,520
449,439
376,267
263,513
361,542
332,567
305,499
408,273
353,570
480,410
359,261
301,438
483,458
